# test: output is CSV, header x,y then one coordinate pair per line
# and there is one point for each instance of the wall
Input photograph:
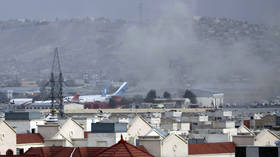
x,y
153,146
108,138
173,146
7,138
48,130
265,139
85,122
138,128
26,146
70,130
22,126
243,140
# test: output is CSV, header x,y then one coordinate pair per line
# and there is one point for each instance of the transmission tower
x,y
56,82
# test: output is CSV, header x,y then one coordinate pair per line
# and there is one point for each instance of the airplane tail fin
x,y
76,97
104,93
121,90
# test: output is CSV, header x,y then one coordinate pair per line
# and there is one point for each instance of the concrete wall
x,y
21,126
138,128
25,147
212,138
105,139
265,139
80,142
7,138
243,140
25,126
73,106
49,130
153,146
173,146
58,142
70,130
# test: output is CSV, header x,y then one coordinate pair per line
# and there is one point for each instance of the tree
x,y
151,96
166,95
190,95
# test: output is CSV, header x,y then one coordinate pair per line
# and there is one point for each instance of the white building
x,y
208,98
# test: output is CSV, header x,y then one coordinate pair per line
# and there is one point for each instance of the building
x,y
257,151
208,98
266,138
170,146
7,139
24,122
120,149
64,133
222,149
28,140
106,134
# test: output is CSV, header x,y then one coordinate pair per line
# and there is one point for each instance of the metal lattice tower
x,y
56,82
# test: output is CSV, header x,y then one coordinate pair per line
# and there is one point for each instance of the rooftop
x,y
29,138
211,148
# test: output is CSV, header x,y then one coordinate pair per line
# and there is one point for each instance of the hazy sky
x,y
261,11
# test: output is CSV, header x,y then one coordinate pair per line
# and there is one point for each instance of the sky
x,y
257,11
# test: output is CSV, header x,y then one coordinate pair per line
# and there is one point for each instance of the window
x,y
9,152
33,131
20,151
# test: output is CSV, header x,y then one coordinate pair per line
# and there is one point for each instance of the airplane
x,y
21,101
104,97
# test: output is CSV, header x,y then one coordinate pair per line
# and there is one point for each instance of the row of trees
x,y
151,96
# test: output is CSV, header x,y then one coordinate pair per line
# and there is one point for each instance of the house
x,y
63,133
140,127
244,136
221,149
106,134
170,146
266,138
28,140
24,122
120,149
7,139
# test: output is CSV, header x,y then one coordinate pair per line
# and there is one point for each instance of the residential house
x,y
266,138
64,133
170,146
24,122
7,139
221,149
28,140
106,134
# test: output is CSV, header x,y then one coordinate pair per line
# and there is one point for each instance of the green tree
x,y
166,95
190,95
151,95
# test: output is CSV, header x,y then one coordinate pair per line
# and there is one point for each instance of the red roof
x,y
29,138
211,148
123,149
58,151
